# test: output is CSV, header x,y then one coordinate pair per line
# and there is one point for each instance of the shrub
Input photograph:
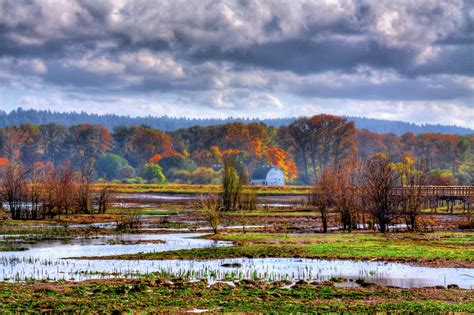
x,y
203,175
212,210
153,173
441,177
126,172
129,221
109,165
134,180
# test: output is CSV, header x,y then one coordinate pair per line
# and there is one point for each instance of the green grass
x,y
8,248
170,188
427,249
273,212
157,295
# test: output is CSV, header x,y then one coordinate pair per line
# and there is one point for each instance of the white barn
x,y
268,176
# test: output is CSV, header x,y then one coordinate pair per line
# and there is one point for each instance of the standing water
x,y
46,260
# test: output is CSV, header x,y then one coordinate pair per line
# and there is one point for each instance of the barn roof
x,y
260,173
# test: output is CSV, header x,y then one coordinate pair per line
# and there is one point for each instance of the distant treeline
x,y
303,149
165,123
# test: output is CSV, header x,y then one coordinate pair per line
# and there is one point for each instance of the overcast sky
x,y
406,60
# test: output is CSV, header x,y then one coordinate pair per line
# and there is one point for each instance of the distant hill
x,y
165,123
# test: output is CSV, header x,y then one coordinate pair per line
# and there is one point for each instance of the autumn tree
x,y
324,140
3,162
280,158
88,141
368,144
392,146
144,143
52,140
236,136
216,154
15,137
237,159
300,135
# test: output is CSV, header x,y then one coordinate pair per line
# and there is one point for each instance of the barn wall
x,y
275,177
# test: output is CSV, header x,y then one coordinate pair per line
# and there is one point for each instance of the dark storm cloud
x,y
304,56
182,46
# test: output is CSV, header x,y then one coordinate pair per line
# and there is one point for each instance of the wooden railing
x,y
440,191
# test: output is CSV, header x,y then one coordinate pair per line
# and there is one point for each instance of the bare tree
x,y
338,189
103,196
83,189
212,210
378,181
345,195
58,189
65,188
36,192
413,198
321,199
14,189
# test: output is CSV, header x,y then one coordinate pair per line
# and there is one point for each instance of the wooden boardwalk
x,y
441,196
441,192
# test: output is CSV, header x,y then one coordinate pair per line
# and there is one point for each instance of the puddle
x,y
204,228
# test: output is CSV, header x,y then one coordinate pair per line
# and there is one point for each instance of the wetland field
x,y
272,259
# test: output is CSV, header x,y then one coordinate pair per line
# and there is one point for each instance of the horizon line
x,y
421,124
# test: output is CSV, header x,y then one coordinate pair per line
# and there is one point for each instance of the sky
x,y
398,60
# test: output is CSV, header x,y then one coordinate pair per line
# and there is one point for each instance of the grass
x,y
56,232
159,295
200,189
6,247
437,249
62,220
143,211
273,212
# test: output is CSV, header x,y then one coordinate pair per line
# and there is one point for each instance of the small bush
x,y
129,221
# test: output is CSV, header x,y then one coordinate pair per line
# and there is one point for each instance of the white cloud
x,y
96,64
244,57
34,65
147,62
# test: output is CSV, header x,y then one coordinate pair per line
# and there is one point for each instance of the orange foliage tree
x,y
256,148
155,158
216,154
3,161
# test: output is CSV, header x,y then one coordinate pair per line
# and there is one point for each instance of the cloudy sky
x,y
406,60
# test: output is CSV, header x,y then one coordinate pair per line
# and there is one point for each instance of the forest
x,y
165,123
303,149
